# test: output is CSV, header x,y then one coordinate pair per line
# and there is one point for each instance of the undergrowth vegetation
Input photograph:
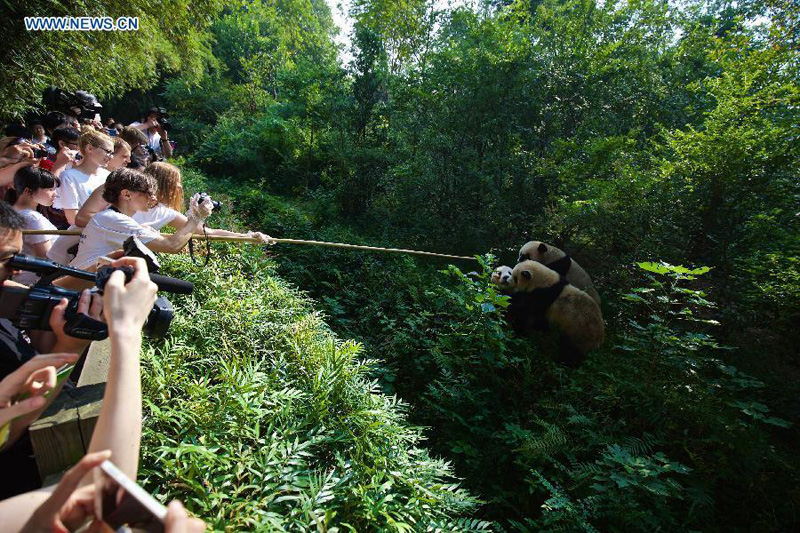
x,y
259,418
658,429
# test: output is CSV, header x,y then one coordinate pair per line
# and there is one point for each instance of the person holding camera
x,y
168,210
137,140
16,348
128,192
117,435
158,138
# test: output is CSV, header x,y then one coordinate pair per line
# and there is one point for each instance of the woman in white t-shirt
x,y
63,248
78,183
130,191
167,212
33,186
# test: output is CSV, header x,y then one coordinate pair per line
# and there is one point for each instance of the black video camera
x,y
66,102
163,119
30,308
202,198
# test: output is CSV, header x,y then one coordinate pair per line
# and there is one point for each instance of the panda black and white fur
x,y
523,313
518,314
501,276
558,260
548,294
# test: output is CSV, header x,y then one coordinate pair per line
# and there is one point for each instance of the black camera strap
x,y
208,248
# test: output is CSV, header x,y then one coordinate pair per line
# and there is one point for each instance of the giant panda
x,y
571,310
519,314
501,276
558,260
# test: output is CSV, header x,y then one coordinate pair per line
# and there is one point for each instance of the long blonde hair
x,y
170,188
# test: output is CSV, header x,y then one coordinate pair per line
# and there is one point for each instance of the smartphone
x,y
63,373
124,505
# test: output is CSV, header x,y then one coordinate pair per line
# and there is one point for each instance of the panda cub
x,y
501,276
523,312
558,260
571,310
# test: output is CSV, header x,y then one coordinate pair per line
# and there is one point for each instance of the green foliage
x,y
272,423
173,36
658,429
623,132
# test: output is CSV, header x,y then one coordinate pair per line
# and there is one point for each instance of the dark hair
x,y
33,178
54,119
35,122
127,178
10,219
68,135
15,129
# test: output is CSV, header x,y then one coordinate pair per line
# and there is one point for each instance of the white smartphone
x,y
124,505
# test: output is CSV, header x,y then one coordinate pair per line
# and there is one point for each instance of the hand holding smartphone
x,y
120,502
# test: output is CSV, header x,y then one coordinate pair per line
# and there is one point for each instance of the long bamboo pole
x,y
282,241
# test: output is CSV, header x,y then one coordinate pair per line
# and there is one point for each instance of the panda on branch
x,y
558,260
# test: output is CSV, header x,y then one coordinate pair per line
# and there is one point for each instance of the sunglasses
x,y
109,153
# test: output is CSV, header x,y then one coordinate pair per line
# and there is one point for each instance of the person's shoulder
x,y
69,174
134,124
32,215
72,174
103,173
104,217
111,219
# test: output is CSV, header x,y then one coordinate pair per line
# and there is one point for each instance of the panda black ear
x,y
526,274
542,247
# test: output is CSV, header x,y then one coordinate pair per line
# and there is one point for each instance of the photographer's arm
x,y
174,243
93,205
180,221
166,147
126,306
70,215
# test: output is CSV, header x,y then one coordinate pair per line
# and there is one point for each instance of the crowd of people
x,y
110,182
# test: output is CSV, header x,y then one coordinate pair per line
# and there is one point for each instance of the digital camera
x,y
202,198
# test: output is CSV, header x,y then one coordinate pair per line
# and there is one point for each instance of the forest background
x,y
649,139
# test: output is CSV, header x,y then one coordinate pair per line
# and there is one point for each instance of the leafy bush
x,y
658,429
259,418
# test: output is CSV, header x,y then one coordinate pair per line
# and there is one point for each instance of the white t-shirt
x,y
33,220
106,232
156,217
59,250
76,187
153,139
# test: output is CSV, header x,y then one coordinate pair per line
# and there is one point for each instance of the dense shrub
x,y
658,429
259,418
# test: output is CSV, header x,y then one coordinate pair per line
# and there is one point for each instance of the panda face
x,y
530,275
532,251
502,277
